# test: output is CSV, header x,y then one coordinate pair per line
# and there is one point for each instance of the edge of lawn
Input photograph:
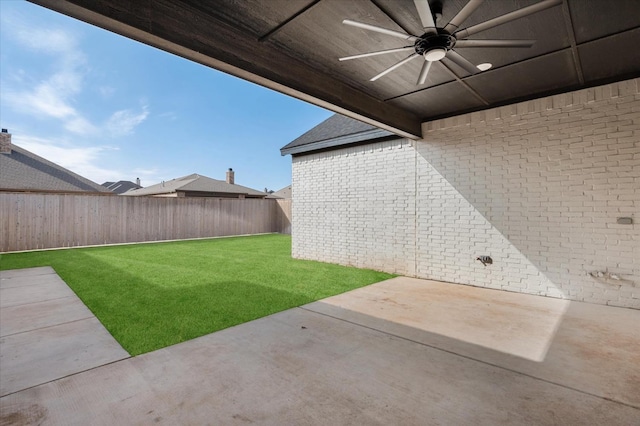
x,y
153,295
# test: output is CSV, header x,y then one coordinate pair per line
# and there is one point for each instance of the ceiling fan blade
x,y
379,52
511,16
459,60
422,78
426,17
392,33
395,66
495,43
464,13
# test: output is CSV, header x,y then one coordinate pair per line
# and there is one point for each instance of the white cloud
x,y
122,123
79,125
44,100
84,161
51,97
48,40
52,90
54,96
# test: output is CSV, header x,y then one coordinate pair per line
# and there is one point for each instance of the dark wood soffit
x,y
175,28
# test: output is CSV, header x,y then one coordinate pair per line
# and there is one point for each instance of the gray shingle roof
x,y
121,186
23,170
195,182
335,131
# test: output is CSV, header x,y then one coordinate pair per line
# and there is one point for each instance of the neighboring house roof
x,y
196,183
121,186
335,131
282,193
23,170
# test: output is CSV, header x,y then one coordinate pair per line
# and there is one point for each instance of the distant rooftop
x,y
195,183
281,193
121,186
22,170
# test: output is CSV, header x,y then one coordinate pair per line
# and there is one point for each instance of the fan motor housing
x,y
427,42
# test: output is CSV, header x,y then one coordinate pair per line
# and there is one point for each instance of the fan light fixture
x,y
438,42
435,54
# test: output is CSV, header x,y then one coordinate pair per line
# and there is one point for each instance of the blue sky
x,y
110,108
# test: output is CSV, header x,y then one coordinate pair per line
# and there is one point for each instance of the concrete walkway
x,y
46,332
404,351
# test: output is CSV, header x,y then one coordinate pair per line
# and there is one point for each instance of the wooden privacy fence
x,y
48,220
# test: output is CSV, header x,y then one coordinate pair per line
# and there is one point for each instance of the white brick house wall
x,y
352,207
537,186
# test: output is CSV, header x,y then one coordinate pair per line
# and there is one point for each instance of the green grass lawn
x,y
154,295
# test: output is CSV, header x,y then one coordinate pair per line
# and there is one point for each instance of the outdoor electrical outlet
x,y
485,260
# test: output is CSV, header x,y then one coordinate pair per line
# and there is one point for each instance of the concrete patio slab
x,y
27,272
384,354
39,356
301,367
47,332
513,323
32,316
592,348
6,283
23,290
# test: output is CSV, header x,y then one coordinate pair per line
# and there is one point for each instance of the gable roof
x,y
23,170
335,131
196,183
121,186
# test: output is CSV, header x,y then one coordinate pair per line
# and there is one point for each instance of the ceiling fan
x,y
438,43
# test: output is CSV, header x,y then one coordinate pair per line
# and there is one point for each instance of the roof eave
x,y
339,142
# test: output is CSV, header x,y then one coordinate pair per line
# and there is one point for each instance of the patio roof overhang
x,y
293,46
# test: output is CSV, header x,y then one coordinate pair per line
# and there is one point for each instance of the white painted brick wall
x,y
537,186
355,206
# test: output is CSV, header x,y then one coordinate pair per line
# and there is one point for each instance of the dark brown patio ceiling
x,y
293,46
